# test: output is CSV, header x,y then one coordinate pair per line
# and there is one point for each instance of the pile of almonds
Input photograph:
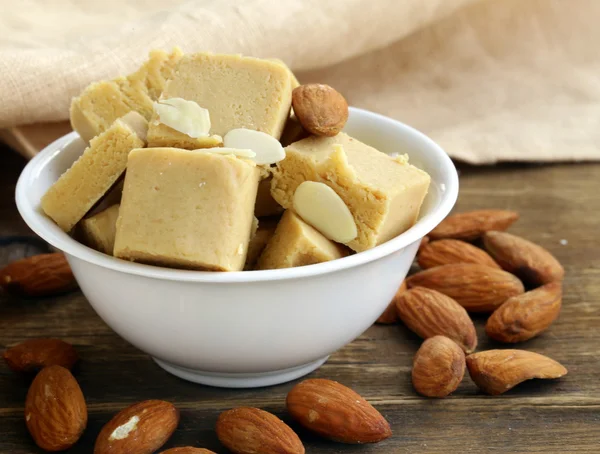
x,y
56,413
470,264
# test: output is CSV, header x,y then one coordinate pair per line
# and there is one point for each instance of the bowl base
x,y
231,380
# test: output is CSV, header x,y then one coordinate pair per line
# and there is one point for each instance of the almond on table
x,y
55,410
438,367
531,262
449,251
187,450
247,430
141,428
523,317
497,371
471,225
38,275
336,412
430,313
477,288
34,354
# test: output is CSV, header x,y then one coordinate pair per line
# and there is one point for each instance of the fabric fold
x,y
490,80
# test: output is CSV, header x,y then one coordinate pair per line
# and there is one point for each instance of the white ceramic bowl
x,y
251,328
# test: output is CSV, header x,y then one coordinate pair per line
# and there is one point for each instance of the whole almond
x,y
390,315
497,371
39,275
336,412
34,354
430,313
525,316
55,410
187,450
471,225
247,430
529,261
141,428
449,251
438,367
477,288
320,109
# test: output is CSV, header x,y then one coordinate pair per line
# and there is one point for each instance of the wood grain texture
x,y
558,202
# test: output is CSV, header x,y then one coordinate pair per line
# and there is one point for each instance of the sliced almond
x,y
497,371
525,316
320,206
267,148
240,153
183,116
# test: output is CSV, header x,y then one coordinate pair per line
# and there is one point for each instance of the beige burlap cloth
x,y
490,80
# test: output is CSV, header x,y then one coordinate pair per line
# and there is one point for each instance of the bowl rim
x,y
75,249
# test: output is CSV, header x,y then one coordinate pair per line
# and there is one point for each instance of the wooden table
x,y
560,209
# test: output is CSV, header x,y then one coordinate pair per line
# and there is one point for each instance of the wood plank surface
x,y
560,209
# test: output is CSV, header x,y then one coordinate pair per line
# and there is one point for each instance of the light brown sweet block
x,y
258,241
99,230
101,103
295,243
186,209
160,135
265,204
95,172
293,78
239,92
384,194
